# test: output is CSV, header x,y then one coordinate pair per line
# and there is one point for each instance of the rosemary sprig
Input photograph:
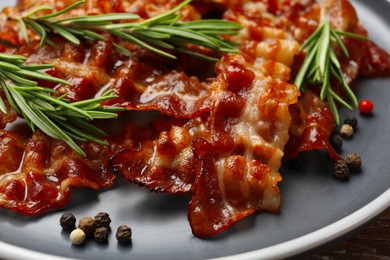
x,y
321,63
55,116
160,34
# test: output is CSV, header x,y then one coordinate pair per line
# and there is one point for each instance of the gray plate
x,y
316,208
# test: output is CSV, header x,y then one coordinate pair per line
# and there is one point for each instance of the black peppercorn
x,y
68,221
102,220
101,234
354,161
123,234
87,225
351,120
336,141
341,169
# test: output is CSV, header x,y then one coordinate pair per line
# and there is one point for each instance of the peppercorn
x,y
351,120
123,234
87,224
336,141
68,221
354,161
102,220
341,169
346,131
101,234
77,236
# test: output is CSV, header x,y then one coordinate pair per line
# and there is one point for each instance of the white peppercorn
x,y
77,236
346,131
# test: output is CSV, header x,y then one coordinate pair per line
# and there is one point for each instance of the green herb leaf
x,y
158,34
55,116
321,63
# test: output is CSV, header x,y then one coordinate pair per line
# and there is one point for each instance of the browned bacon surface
x,y
240,140
164,162
311,128
238,168
224,128
38,173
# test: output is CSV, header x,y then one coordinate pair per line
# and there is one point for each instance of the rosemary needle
x,y
321,63
55,116
160,34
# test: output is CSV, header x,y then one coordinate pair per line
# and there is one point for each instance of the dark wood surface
x,y
372,242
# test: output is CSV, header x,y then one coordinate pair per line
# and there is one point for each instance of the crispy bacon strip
x,y
240,142
47,171
38,173
173,93
164,162
238,171
311,127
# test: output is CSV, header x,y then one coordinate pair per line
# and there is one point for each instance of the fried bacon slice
x,y
240,141
239,163
44,170
164,162
38,173
311,128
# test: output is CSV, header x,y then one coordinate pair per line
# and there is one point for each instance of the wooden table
x,y
372,242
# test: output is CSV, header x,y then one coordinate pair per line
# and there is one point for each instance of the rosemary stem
x,y
321,63
157,34
55,116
